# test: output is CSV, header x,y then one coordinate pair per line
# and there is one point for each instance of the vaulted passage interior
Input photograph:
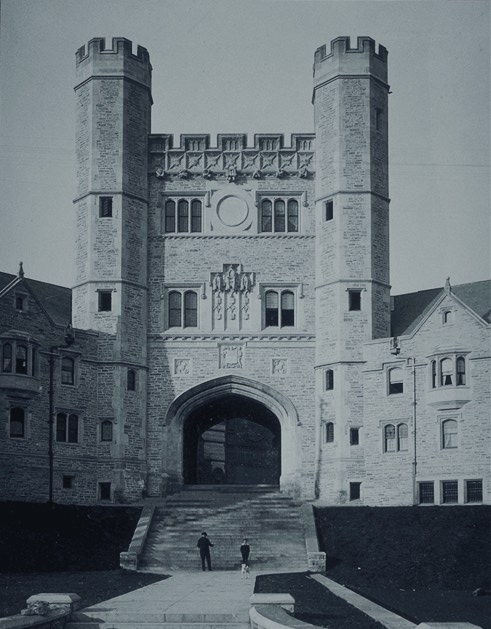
x,y
232,440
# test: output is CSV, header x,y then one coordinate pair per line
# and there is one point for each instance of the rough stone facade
x,y
228,280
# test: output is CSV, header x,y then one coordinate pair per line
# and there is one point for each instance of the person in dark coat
x,y
204,550
245,550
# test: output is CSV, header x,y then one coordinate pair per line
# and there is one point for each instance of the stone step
x,y
123,623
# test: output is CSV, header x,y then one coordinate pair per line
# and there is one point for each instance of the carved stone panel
x,y
231,356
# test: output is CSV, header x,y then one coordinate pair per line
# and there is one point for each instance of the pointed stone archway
x,y
211,429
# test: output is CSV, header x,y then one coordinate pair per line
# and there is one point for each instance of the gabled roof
x,y
56,300
410,309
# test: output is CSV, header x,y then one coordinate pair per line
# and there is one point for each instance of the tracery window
x,y
183,309
279,215
279,308
395,437
183,216
67,428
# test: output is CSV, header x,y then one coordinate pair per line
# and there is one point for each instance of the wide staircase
x,y
271,522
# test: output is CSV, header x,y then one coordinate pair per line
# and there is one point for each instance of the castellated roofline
x,y
119,46
342,45
344,62
232,141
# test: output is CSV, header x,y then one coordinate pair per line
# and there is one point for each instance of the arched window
x,y
446,372
329,432
329,380
266,216
460,370
175,309
131,380
21,359
7,358
17,423
170,216
182,216
67,428
402,434
287,309
271,301
389,438
396,381
292,215
106,430
190,309
195,215
279,215
449,434
67,370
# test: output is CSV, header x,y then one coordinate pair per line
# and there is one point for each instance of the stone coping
x,y
129,560
274,617
284,600
52,620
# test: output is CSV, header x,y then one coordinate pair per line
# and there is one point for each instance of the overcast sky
x,y
244,66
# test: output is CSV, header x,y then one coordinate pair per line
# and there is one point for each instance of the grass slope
x,y
430,548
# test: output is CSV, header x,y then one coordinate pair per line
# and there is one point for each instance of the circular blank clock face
x,y
232,211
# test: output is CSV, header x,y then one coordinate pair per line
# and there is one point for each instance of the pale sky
x,y
245,66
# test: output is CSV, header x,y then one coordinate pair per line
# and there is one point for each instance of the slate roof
x,y
57,300
409,309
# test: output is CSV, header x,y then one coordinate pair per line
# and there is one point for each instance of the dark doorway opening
x,y
232,440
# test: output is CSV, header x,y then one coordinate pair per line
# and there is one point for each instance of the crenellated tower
x,y
352,242
113,102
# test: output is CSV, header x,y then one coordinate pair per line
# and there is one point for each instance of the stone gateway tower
x,y
231,315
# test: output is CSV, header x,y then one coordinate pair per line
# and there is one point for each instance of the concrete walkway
x,y
210,600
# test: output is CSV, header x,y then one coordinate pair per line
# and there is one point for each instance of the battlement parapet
x,y
342,59
119,46
231,155
118,60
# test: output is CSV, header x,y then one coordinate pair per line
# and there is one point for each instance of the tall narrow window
x,y
460,371
354,300
329,210
21,359
396,384
67,370
105,207
449,434
329,432
175,309
433,374
354,436
7,358
292,215
279,215
446,372
402,435
17,423
378,118
72,429
266,216
105,301
104,491
450,492
354,491
182,216
389,438
19,302
190,309
473,491
170,216
329,380
33,361
131,380
195,216
287,309
271,300
106,430
426,493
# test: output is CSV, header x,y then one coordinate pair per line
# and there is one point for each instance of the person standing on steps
x,y
204,550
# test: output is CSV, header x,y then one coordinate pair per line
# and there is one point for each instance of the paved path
x,y
212,599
